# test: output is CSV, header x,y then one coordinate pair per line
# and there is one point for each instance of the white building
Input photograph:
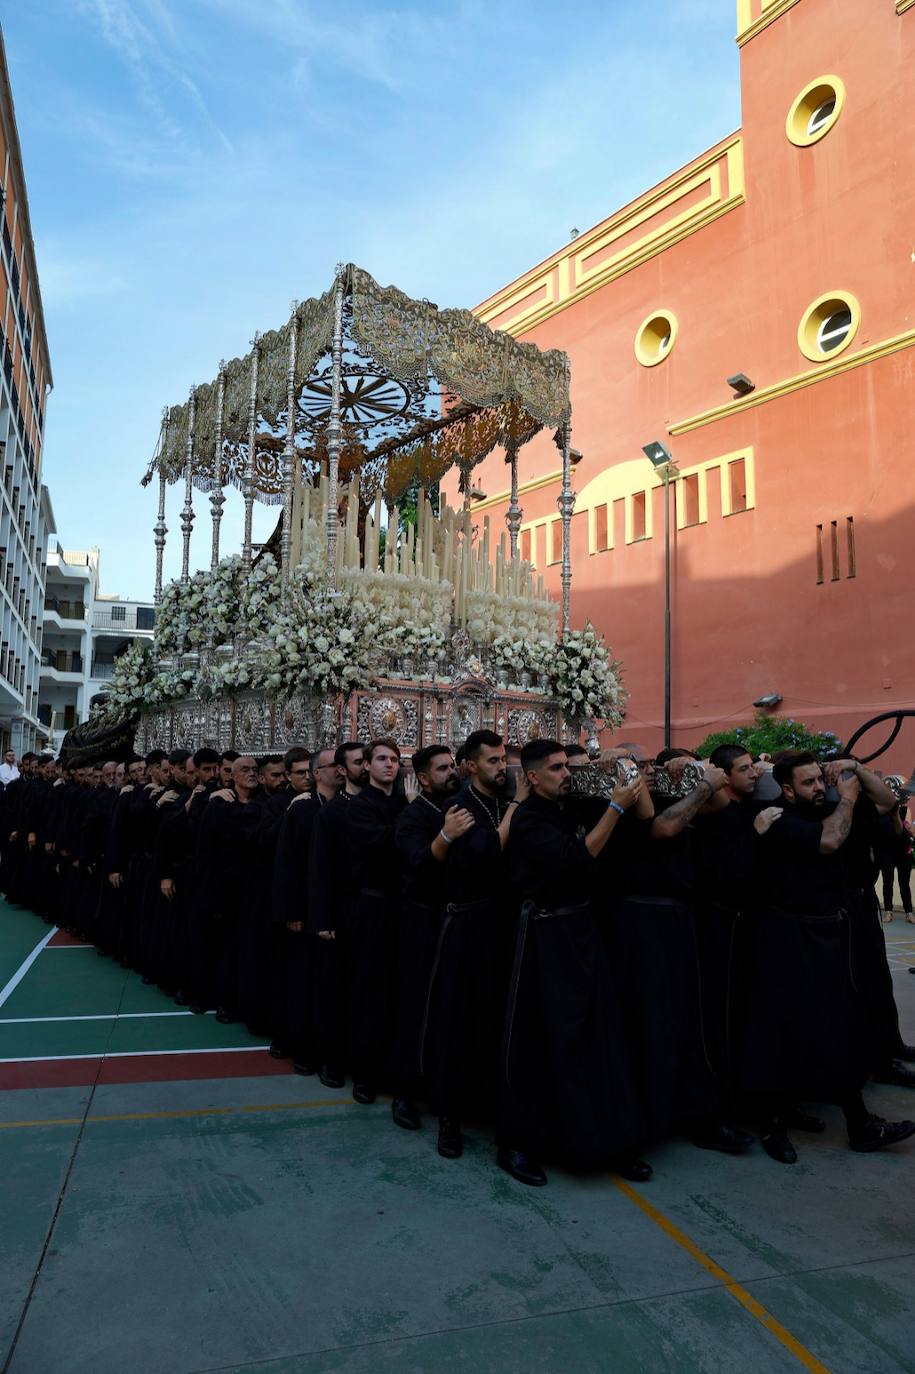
x,y
84,631
26,519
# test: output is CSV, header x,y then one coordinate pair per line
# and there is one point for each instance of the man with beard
x,y
169,957
156,922
93,831
330,890
115,863
297,950
371,918
467,990
726,836
256,951
226,762
226,883
809,1032
566,1085
423,835
654,953
133,855
875,807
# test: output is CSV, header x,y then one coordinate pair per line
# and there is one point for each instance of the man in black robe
x,y
116,863
468,987
93,832
655,958
330,890
226,880
809,1030
296,945
425,830
371,920
256,952
138,840
566,1084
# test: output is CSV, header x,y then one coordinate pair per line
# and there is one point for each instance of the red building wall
x,y
737,246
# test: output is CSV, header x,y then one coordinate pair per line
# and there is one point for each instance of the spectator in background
x,y
8,770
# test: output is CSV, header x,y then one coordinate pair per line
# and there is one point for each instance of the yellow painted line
x,y
736,1290
174,1116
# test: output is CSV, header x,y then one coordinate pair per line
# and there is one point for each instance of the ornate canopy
x,y
420,390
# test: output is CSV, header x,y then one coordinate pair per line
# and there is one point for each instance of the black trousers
x,y
889,869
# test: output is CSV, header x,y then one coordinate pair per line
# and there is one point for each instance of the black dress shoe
x,y
330,1076
277,1050
800,1120
147,981
405,1115
897,1073
906,1052
877,1134
364,1093
306,1070
225,1017
521,1167
778,1147
196,1008
715,1135
631,1167
450,1140
181,998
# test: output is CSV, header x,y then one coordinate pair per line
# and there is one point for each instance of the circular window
x,y
815,111
655,337
828,326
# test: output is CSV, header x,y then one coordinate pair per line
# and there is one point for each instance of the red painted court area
x,y
70,1018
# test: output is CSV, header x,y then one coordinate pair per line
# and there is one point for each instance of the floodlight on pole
x,y
662,461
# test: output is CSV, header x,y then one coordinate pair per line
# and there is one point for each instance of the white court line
x,y
134,1054
100,1016
24,967
72,946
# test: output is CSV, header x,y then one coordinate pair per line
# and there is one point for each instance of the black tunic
x,y
329,892
566,1084
808,1032
419,921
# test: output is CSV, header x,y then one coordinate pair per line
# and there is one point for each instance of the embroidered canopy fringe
x,y
494,390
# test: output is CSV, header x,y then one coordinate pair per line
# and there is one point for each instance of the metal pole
x,y
334,430
513,514
187,510
566,504
249,466
289,452
667,606
160,530
217,495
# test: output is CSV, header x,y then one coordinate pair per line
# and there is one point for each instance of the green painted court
x,y
174,1205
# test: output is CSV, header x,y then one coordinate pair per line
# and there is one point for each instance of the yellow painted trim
x,y
804,1357
647,339
903,5
566,278
175,1115
802,107
748,27
523,487
797,383
813,317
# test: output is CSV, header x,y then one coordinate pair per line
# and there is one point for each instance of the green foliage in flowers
x,y
770,734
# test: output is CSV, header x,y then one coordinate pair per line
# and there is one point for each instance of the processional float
x,y
362,401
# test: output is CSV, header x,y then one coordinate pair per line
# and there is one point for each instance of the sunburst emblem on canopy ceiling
x,y
367,398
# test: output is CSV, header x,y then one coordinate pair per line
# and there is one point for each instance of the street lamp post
x,y
662,461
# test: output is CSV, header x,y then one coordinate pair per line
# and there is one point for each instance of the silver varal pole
x,y
160,529
334,430
513,514
187,510
249,466
289,453
566,504
217,495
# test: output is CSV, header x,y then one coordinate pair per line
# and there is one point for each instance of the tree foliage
x,y
769,734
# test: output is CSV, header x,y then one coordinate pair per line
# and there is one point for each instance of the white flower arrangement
x,y
411,615
133,671
585,679
492,616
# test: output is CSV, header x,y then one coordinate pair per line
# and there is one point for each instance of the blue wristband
x,y
615,806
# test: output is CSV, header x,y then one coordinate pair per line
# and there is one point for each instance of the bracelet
x,y
443,836
615,806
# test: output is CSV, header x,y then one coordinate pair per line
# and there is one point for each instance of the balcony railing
x,y
62,660
133,618
102,671
67,610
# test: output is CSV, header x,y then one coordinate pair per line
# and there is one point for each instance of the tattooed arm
x,y
677,817
836,827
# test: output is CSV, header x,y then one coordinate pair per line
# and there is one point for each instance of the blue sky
x,y
195,164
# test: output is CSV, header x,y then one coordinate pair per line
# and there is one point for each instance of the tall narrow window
x,y
638,515
819,555
526,546
601,531
851,563
834,549
737,478
691,499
